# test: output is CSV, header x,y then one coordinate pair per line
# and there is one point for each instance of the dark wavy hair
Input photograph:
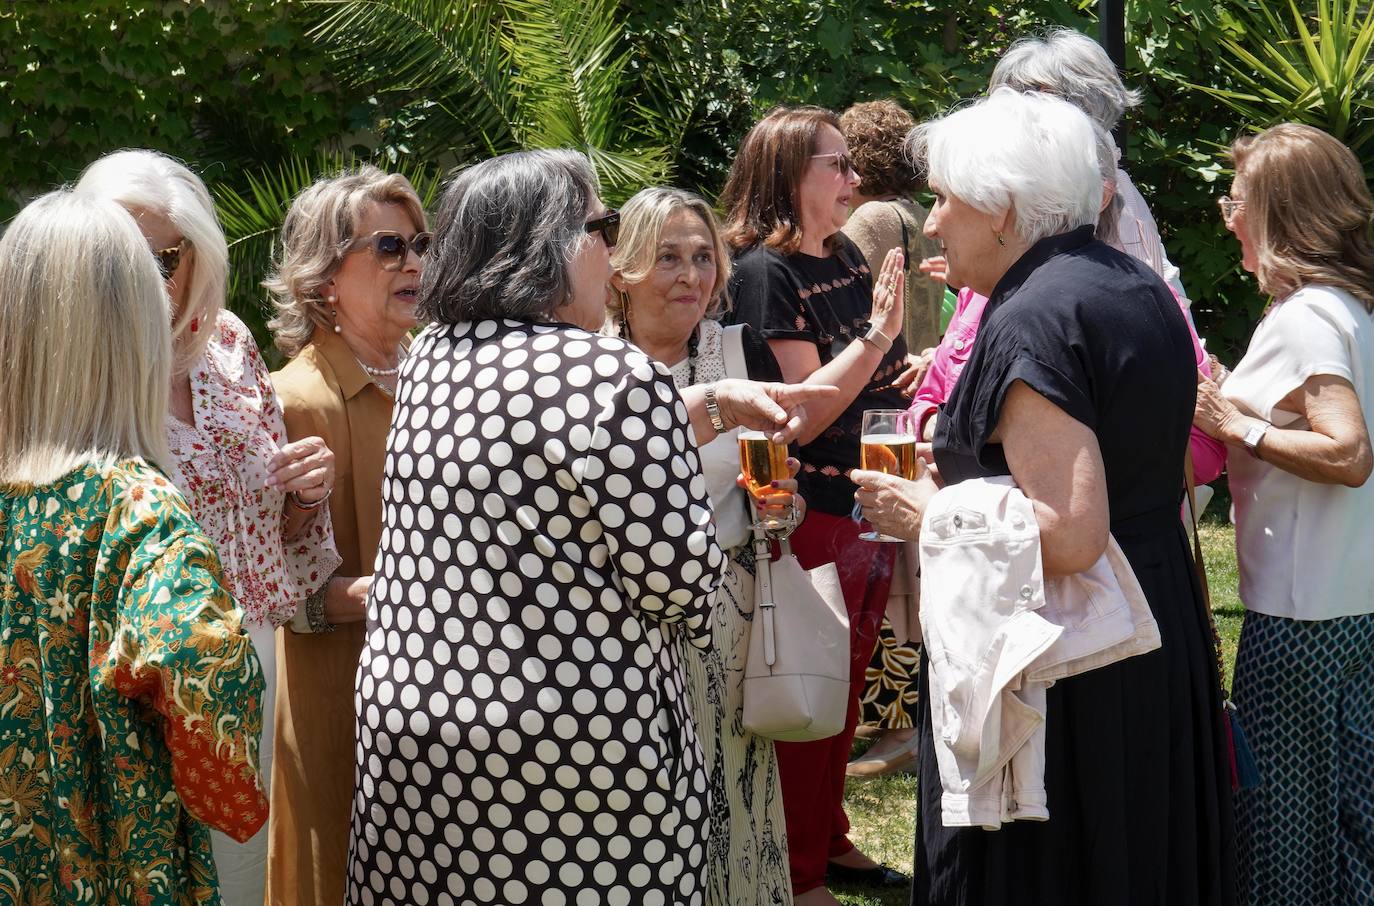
x,y
761,198
876,134
505,235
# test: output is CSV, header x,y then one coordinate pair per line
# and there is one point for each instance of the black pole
x,y
1111,19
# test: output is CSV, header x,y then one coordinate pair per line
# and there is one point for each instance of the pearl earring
x,y
331,299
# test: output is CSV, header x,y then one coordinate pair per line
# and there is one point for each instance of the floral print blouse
x,y
130,696
220,464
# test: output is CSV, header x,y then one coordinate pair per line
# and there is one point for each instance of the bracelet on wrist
x,y
314,609
301,504
713,409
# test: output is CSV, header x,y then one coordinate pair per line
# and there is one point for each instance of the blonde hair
x,y
321,219
84,337
152,181
1308,211
642,220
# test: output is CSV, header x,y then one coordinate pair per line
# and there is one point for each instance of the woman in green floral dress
x,y
130,697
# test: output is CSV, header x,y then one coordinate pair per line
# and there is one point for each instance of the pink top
x,y
1209,455
220,466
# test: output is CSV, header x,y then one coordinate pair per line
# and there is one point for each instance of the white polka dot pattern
x,y
523,731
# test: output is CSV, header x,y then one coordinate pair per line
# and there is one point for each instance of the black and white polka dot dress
x,y
523,732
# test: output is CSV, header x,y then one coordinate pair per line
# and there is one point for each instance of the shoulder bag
x,y
796,674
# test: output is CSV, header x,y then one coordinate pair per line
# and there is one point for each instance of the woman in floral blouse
x,y
129,692
260,499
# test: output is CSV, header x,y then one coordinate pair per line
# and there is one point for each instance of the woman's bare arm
x,y
1056,462
1334,450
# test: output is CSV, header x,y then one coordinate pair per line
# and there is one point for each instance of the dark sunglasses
x,y
608,226
168,260
390,247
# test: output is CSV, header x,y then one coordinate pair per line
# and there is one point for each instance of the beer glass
x,y
887,444
762,462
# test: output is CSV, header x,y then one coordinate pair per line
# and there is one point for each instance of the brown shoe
x,y
868,731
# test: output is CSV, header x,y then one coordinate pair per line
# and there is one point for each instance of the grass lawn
x,y
883,811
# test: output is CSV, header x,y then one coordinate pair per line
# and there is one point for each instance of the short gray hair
x,y
506,233
322,219
155,182
1072,66
1028,152
85,338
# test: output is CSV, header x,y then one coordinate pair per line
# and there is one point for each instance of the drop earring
x,y
333,311
1000,241
195,325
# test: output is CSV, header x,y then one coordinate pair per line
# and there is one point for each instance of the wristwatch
x,y
1253,435
879,339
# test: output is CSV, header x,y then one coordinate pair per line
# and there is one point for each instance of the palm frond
x,y
450,53
1290,63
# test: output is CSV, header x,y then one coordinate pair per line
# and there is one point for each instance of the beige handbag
x,y
796,677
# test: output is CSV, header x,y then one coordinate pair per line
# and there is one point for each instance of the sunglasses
x,y
168,260
1229,206
608,226
389,247
843,162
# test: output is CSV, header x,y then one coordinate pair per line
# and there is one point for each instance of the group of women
x,y
471,610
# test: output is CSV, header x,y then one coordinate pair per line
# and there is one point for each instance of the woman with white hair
x,y
258,497
129,692
1076,68
1080,388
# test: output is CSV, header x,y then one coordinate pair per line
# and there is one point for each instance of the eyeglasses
x,y
843,162
390,248
608,225
168,260
1229,206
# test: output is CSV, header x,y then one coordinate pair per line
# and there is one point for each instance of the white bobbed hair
x,y
1028,152
1072,66
152,181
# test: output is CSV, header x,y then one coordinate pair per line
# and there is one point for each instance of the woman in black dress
x,y
809,292
1080,387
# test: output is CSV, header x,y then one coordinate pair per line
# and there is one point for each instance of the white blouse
x,y
220,465
1304,548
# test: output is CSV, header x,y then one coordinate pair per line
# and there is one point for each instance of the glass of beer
x,y
762,462
887,444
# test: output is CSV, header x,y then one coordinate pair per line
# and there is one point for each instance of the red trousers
x,y
812,773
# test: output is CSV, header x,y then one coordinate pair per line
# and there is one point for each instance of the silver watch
x,y
1253,435
878,339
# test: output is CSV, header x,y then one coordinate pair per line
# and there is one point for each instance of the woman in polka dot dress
x,y
523,730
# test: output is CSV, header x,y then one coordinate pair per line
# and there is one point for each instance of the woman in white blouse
x,y
1296,413
260,499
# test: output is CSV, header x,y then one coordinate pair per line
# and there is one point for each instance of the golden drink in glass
x,y
762,462
887,444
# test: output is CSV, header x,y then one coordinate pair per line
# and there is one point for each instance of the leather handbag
x,y
796,675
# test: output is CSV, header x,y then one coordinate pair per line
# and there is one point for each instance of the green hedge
x,y
244,90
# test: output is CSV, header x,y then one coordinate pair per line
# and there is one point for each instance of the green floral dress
x,y
130,698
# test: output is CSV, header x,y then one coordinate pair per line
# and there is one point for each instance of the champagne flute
x,y
887,444
762,462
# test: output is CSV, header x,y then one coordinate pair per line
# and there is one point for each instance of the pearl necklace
x,y
383,372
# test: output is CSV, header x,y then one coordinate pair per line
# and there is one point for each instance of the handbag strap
x,y
732,348
906,238
1200,565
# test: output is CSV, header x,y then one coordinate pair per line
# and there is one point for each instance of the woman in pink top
x,y
1209,455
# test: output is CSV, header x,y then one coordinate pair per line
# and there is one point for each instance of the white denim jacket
x,y
998,634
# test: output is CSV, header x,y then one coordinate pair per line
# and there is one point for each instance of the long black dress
x,y
1136,765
